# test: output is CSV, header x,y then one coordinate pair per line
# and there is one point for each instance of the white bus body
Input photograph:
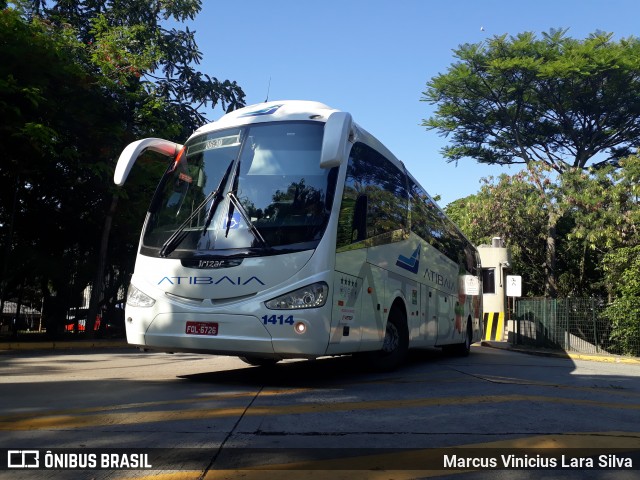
x,y
285,230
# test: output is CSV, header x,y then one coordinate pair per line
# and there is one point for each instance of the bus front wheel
x,y
259,361
396,342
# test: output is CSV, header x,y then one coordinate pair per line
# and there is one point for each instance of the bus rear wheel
x,y
463,349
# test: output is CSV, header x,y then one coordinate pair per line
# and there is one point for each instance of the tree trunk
x,y
98,279
18,309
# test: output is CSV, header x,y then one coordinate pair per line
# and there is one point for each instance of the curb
x,y
62,345
562,354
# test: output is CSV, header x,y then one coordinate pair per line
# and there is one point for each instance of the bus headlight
x,y
137,298
312,296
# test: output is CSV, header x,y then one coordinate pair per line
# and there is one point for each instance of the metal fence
x,y
570,324
27,318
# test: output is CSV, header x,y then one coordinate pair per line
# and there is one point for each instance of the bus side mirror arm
x,y
335,139
132,151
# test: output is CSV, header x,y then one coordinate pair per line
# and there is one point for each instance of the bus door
x,y
428,315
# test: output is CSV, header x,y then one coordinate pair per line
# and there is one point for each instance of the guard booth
x,y
496,261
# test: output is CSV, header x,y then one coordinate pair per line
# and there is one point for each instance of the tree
x,y
555,100
604,206
509,207
621,263
607,202
129,77
565,103
54,153
131,46
622,266
598,229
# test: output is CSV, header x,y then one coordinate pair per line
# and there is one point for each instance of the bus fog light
x,y
300,328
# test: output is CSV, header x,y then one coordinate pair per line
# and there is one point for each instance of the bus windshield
x,y
254,189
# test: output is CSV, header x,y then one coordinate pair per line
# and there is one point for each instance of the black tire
x,y
396,342
464,348
260,361
461,349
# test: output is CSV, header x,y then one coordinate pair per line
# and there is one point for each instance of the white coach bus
x,y
285,230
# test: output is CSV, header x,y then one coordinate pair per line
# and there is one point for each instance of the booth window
x,y
488,280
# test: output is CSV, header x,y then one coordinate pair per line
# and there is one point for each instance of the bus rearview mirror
x,y
132,151
334,141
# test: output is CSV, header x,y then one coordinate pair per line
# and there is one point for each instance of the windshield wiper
x,y
216,199
234,191
234,202
243,212
180,234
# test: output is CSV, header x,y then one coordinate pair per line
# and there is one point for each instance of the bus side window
x,y
359,224
375,202
331,187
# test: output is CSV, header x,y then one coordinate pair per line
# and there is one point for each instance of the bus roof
x,y
270,111
292,110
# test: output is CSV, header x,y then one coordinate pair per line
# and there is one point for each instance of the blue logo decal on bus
x,y
262,111
412,263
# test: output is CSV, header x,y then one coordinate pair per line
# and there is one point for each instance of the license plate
x,y
201,328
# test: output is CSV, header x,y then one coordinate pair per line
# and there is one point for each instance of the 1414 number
x,y
277,320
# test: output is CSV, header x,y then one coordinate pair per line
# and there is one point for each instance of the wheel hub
x,y
391,338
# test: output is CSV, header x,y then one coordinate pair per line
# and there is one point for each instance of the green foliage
x,y
598,217
134,54
78,82
509,207
606,213
112,55
622,267
552,99
624,315
55,147
132,47
607,201
557,105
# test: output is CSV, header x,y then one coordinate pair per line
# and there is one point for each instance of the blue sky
x,y
373,59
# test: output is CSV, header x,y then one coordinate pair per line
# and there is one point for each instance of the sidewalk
x,y
594,357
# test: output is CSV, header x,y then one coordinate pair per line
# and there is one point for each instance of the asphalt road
x,y
329,418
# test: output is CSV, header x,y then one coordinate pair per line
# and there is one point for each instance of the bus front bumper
x,y
224,334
